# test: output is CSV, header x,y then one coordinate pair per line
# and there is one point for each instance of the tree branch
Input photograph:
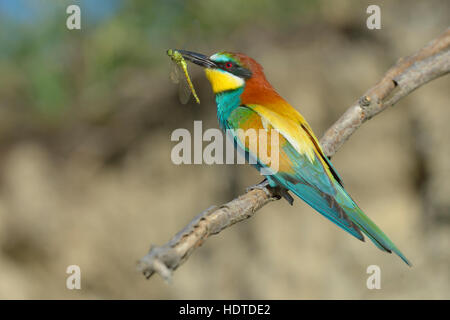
x,y
408,74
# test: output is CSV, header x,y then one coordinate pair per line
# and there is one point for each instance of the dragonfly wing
x,y
177,77
174,72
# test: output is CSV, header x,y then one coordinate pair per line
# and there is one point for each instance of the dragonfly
x,y
179,75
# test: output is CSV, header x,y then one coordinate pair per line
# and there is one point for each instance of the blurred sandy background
x,y
85,170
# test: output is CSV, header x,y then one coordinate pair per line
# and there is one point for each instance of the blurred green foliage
x,y
46,70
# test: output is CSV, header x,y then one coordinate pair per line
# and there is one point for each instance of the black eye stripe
x,y
235,69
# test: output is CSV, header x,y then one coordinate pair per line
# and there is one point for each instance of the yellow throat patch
x,y
222,80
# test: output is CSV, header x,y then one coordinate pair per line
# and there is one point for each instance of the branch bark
x,y
408,74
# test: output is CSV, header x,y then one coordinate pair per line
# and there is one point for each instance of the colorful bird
x,y
246,100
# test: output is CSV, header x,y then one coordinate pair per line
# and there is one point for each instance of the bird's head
x,y
226,71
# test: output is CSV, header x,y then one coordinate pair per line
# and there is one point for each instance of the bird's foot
x,y
281,192
278,191
263,185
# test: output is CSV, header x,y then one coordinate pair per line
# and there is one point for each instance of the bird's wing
x,y
300,168
302,146
295,126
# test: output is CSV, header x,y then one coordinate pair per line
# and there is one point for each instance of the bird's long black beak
x,y
198,58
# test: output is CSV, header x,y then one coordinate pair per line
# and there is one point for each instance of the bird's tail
x,y
367,226
344,212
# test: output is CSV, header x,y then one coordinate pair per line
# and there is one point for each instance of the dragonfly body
x,y
186,86
246,100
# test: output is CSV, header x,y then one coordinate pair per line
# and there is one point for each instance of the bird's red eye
x,y
228,65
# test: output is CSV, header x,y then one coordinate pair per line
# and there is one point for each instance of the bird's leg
x,y
278,191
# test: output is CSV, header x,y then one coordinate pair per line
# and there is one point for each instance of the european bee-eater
x,y
246,100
